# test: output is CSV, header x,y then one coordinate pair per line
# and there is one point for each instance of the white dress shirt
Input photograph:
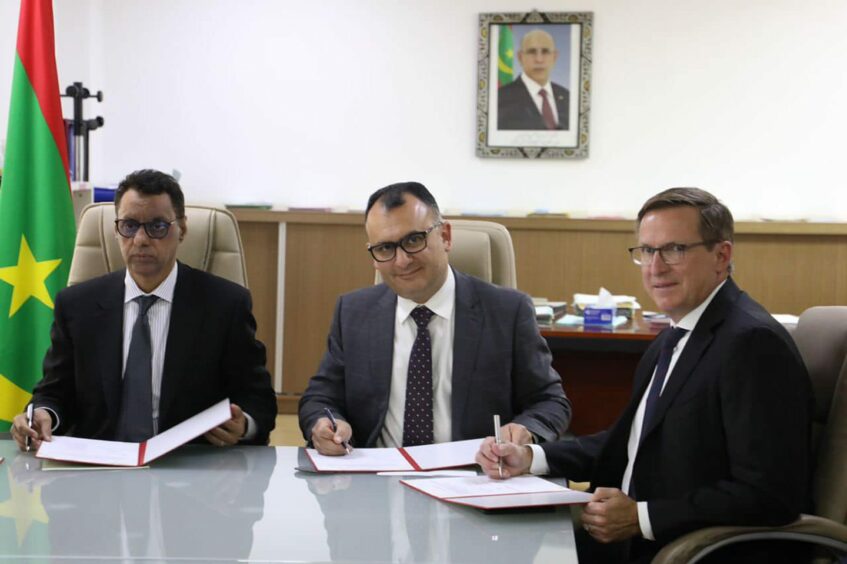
x,y
534,90
159,317
689,321
441,327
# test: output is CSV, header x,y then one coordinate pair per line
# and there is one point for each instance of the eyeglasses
x,y
412,243
672,253
156,229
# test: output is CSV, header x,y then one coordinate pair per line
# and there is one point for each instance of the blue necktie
x,y
665,355
417,417
135,423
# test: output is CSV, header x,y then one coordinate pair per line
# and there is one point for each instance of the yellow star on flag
x,y
28,278
24,507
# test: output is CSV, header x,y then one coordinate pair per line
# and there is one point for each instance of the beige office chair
x,y
213,244
482,249
821,336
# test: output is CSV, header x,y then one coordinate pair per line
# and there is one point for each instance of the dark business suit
x,y
501,365
211,354
517,110
729,441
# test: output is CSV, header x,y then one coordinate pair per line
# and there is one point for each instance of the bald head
x,y
537,55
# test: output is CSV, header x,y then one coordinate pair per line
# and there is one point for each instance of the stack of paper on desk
x,y
426,457
117,453
484,493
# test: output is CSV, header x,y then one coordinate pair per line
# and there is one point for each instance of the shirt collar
x,y
689,321
534,87
165,290
441,303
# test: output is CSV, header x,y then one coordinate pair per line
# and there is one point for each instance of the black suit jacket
x,y
211,353
730,441
517,110
501,365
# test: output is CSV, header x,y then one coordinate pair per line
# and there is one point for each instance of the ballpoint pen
x,y
498,440
334,423
29,423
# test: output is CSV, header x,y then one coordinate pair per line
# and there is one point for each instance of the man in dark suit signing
x,y
717,429
140,350
431,354
533,101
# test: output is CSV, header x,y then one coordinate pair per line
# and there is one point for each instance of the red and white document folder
x,y
483,492
118,453
419,458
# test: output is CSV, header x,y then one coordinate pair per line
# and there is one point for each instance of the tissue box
x,y
599,316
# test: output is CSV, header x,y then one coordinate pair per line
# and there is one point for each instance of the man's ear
x,y
182,224
447,235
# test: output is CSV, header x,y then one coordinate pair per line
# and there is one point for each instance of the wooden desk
x,y
597,367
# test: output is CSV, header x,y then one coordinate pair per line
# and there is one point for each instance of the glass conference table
x,y
250,504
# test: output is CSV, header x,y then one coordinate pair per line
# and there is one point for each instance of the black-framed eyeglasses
x,y
412,243
156,229
672,253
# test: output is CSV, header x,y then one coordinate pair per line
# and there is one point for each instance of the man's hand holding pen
x,y
331,436
29,429
503,460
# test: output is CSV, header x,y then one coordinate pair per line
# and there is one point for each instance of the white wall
x,y
320,103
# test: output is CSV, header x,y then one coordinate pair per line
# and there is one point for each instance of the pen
x,y
334,423
499,440
28,422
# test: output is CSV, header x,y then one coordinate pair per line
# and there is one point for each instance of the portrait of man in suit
x,y
431,354
142,349
717,430
532,101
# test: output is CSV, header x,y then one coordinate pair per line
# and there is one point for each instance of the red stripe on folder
x,y
141,449
409,459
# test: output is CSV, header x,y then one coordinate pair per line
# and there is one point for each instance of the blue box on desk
x,y
599,316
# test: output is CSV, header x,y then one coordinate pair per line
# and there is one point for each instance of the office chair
x,y
212,243
821,336
482,249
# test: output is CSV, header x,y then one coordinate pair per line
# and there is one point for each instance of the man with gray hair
x,y
532,101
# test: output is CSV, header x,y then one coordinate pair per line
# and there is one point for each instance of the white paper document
x,y
116,453
426,457
486,493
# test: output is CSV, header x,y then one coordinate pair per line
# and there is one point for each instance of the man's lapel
x,y
466,338
185,326
380,338
108,318
697,345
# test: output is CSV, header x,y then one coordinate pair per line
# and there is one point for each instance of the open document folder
x,y
117,453
483,492
425,457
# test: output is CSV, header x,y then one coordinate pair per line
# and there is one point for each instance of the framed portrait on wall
x,y
534,85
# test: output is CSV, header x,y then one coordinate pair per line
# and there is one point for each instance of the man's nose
x,y
141,236
657,263
402,258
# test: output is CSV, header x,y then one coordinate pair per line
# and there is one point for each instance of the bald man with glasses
x,y
140,350
431,354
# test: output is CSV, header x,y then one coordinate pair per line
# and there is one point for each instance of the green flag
x,y
36,214
505,56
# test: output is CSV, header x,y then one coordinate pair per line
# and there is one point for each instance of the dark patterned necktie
x,y
417,418
662,365
135,423
547,110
